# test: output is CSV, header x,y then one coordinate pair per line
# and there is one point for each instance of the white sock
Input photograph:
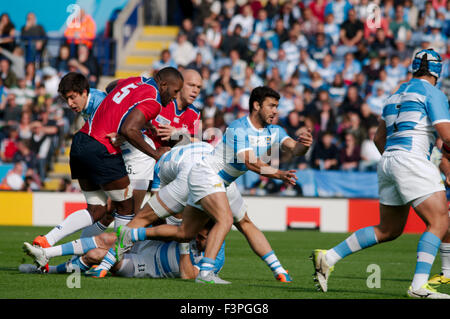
x,y
445,259
108,261
93,230
73,223
120,220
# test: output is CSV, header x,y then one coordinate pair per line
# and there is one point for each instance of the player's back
x,y
181,157
110,115
410,114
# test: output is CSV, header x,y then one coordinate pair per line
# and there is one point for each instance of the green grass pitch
x,y
250,277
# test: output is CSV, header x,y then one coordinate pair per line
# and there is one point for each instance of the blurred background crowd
x,y
333,63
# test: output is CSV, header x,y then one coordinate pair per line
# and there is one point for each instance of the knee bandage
x,y
95,198
119,195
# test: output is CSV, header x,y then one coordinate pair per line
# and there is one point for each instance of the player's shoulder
x,y
193,109
240,123
96,92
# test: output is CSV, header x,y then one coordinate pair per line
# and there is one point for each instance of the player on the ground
x,y
244,145
96,163
172,185
406,134
444,276
150,258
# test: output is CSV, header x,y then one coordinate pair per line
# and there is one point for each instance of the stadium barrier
x,y
268,213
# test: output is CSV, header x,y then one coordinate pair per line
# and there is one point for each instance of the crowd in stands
x,y
333,63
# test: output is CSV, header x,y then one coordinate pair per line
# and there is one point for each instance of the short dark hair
x,y
73,81
260,93
168,73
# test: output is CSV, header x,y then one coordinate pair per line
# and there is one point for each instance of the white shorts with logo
x,y
404,177
203,181
139,165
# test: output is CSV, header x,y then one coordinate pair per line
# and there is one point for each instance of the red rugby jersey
x,y
135,92
188,119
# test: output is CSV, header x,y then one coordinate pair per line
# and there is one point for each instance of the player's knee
x,y
94,256
106,240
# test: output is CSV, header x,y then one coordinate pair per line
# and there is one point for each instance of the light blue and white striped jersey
x,y
159,259
240,136
95,98
170,164
410,114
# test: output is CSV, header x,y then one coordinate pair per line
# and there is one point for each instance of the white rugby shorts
x,y
404,177
139,166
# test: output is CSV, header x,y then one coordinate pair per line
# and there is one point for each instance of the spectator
x,y
66,186
251,80
25,126
400,28
370,155
245,20
318,9
326,118
24,95
7,33
338,90
25,155
331,28
352,101
8,76
34,37
350,154
205,50
226,80
8,146
237,67
32,182
31,78
368,118
187,28
352,31
182,50
14,178
319,49
325,154
17,60
81,30
395,71
86,64
61,62
164,61
350,68
40,144
214,35
339,9
12,112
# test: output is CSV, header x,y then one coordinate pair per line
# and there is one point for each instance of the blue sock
x,y
427,249
206,265
362,238
108,261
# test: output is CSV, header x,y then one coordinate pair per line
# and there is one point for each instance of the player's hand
x,y
305,137
165,131
289,177
115,139
160,151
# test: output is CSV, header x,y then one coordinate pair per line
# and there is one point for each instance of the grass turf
x,y
250,277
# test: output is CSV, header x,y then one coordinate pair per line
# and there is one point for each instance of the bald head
x,y
192,86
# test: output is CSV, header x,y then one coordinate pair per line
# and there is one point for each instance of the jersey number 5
x,y
119,96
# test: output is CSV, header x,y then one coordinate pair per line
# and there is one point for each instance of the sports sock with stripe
x,y
445,259
362,238
426,253
76,247
108,261
274,264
